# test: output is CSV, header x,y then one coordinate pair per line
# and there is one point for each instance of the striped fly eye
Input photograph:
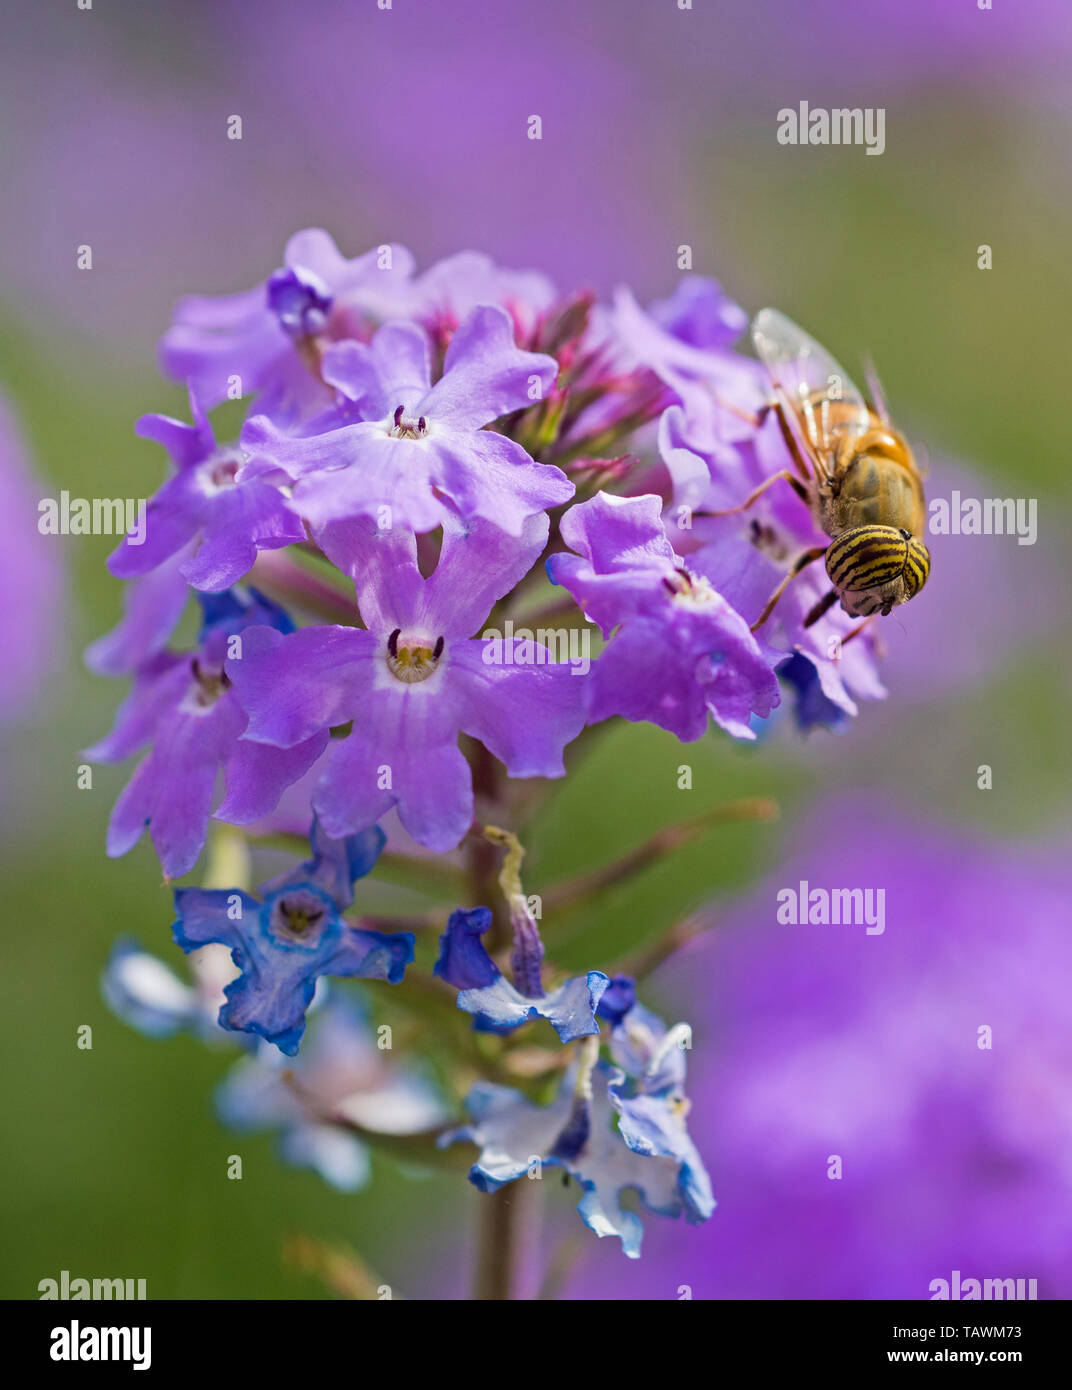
x,y
869,557
917,567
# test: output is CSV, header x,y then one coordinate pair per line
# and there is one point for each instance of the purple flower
x,y
686,341
499,1006
681,651
300,300
413,681
152,607
697,313
339,1074
183,706
204,502
285,943
417,451
250,343
449,290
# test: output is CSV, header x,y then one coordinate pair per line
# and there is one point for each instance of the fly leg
x,y
857,630
783,474
822,607
801,563
803,467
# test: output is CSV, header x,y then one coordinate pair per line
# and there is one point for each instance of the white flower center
x,y
412,658
690,590
405,427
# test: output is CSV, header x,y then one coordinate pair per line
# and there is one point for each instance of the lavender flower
x,y
412,682
152,608
418,451
712,392
182,705
681,651
398,424
252,343
449,290
204,503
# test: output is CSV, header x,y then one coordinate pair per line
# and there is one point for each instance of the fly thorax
x,y
413,657
877,489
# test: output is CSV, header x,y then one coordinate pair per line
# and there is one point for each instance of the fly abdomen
x,y
875,568
866,558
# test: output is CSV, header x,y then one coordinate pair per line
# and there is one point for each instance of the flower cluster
x,y
613,1125
434,469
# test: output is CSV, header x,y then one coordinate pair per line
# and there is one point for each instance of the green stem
x,y
659,846
498,1212
282,578
502,1219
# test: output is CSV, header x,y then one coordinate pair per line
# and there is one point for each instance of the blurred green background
x,y
114,1163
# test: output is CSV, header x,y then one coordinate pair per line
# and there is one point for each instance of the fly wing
x,y
876,391
814,388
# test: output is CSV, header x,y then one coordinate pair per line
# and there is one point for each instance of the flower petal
x,y
485,374
570,1009
292,687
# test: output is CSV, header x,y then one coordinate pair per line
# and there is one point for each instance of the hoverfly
x,y
856,474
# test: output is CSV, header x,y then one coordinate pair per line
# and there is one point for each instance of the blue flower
x,y
648,1095
614,1127
282,945
340,1074
145,993
813,707
618,998
237,608
496,1004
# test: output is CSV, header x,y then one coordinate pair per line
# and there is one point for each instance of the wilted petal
x,y
570,1009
